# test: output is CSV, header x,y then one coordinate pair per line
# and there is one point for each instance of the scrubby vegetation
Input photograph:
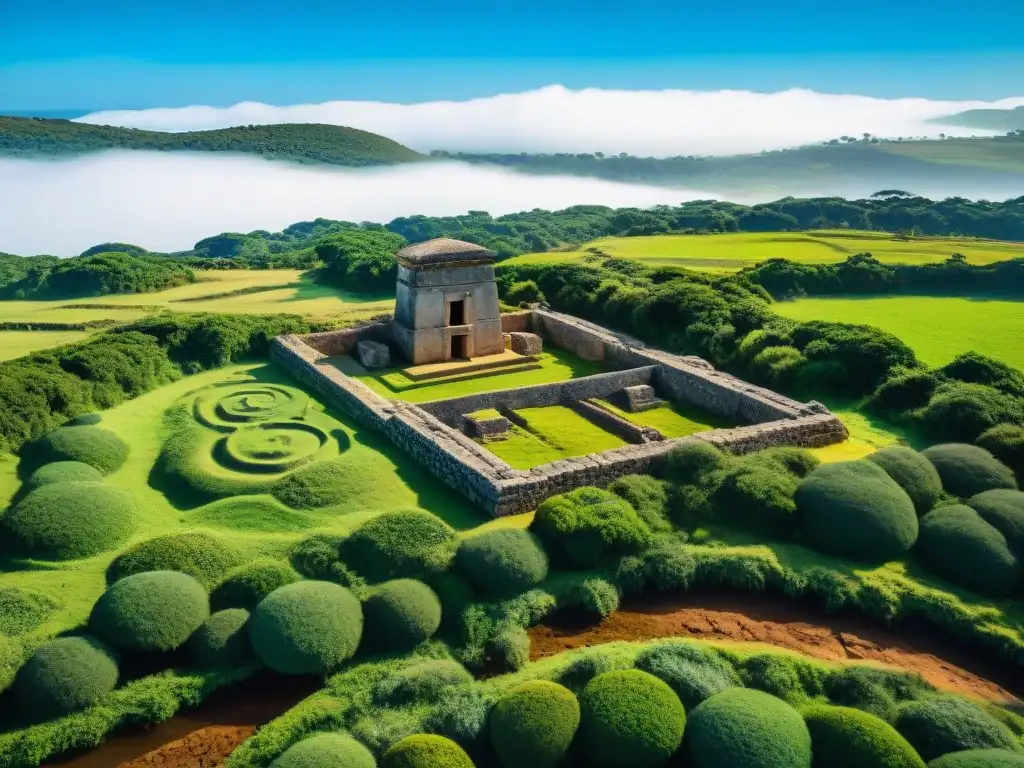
x,y
503,562
400,544
400,615
98,275
938,726
200,555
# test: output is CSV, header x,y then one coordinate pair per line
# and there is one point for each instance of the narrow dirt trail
x,y
782,622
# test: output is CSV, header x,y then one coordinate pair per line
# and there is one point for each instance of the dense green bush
x,y
854,509
319,484
65,521
425,682
425,750
246,585
400,615
743,728
99,448
326,750
525,292
697,463
154,611
533,725
222,640
202,556
913,473
630,718
63,675
307,627
693,671
405,544
957,544
781,675
758,495
873,690
99,274
1006,443
461,716
848,738
959,412
967,470
62,472
510,650
318,558
589,527
946,724
648,496
595,595
664,567
502,562
980,758
1004,510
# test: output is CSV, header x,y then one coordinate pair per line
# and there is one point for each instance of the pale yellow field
x,y
20,343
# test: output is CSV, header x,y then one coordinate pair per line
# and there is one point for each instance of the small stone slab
x,y
639,398
526,343
493,428
373,354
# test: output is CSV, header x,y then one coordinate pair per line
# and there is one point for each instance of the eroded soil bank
x,y
780,621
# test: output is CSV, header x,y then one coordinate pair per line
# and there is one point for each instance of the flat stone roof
x,y
443,250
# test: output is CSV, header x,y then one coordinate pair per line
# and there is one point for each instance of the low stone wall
x,y
610,422
517,322
344,342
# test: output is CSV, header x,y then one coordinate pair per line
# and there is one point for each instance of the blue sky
x,y
69,54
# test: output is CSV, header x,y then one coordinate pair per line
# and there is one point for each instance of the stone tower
x,y
446,305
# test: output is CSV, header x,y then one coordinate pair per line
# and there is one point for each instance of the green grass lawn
x,y
20,343
937,328
673,419
551,433
730,252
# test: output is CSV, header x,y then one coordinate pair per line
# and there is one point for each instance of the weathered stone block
x,y
639,398
526,343
373,354
495,427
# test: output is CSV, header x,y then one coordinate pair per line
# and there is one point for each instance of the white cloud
x,y
555,119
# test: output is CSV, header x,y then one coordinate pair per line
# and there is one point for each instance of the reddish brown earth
x,y
784,623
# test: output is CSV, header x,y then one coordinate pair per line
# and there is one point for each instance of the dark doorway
x,y
458,346
457,313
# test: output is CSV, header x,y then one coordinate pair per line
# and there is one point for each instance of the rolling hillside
x,y
986,119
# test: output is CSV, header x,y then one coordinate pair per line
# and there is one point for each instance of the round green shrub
x,y
913,473
630,718
66,521
405,544
957,544
980,758
153,611
1003,509
758,495
796,461
648,496
326,750
424,682
425,750
946,724
533,725
318,558
461,716
1006,442
63,472
222,640
95,446
502,562
307,627
246,585
400,615
697,463
83,420
779,674
589,527
744,728
848,738
202,556
694,672
854,509
967,470
315,485
64,675
510,650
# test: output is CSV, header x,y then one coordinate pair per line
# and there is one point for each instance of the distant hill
x,y
302,143
986,119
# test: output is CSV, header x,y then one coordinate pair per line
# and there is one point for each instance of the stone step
x,y
449,368
530,366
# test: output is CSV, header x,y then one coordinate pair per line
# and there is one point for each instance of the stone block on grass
x,y
526,343
373,354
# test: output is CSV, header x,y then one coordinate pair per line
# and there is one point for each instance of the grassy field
x,y
730,252
20,343
672,419
937,328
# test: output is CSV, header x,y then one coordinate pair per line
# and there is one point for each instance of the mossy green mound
x,y
1003,509
648,496
694,672
967,470
222,640
66,521
272,447
400,615
204,557
64,675
980,758
307,627
246,585
957,544
22,610
589,527
316,485
63,472
913,473
426,751
404,544
153,611
502,562
842,737
697,463
424,682
744,728
533,725
258,514
854,509
941,725
95,446
326,750
230,407
630,718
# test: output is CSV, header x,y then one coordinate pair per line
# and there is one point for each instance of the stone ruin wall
x,y
496,487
